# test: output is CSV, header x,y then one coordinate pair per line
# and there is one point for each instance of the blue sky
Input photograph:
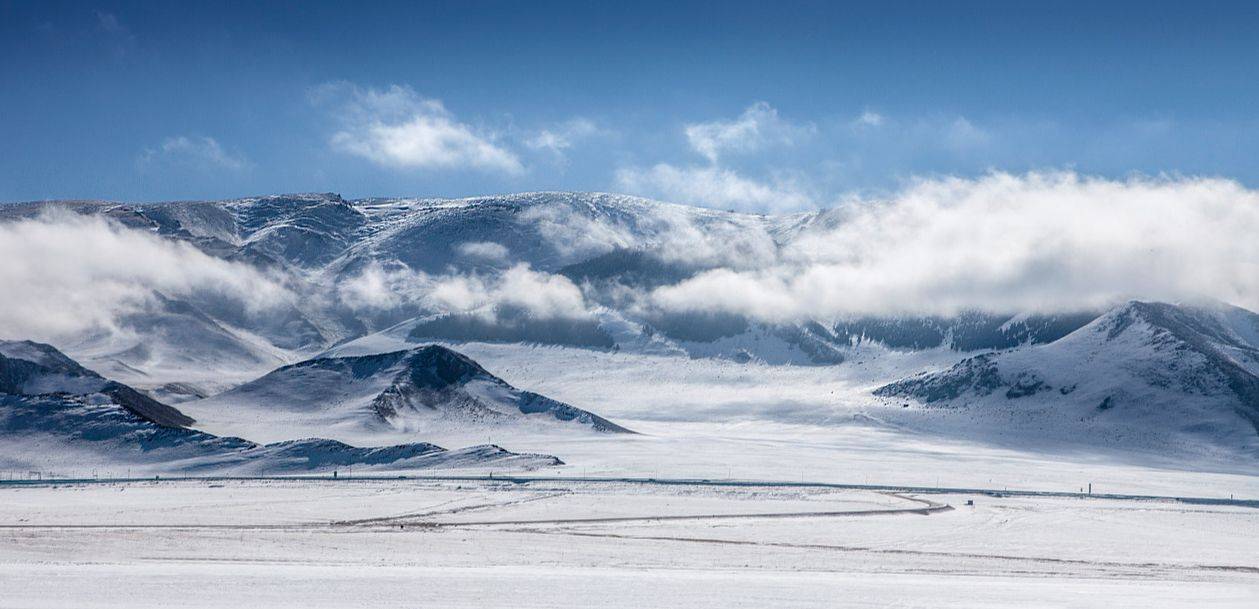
x,y
757,106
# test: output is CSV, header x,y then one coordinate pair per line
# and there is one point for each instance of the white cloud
x,y
376,288
714,187
70,274
1006,243
576,236
542,295
962,134
668,230
758,126
520,288
484,251
562,137
194,152
397,128
869,119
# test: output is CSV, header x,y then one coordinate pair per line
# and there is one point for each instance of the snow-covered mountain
x,y
57,415
380,278
1144,374
366,265
420,391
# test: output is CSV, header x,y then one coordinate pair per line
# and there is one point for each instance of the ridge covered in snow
x,y
356,289
1143,374
55,414
416,391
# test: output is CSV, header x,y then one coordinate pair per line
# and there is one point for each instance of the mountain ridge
x,y
53,411
414,391
1153,368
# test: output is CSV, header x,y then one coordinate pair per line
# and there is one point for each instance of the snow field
x,y
282,543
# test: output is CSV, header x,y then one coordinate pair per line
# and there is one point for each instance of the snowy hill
x,y
1144,374
56,415
419,390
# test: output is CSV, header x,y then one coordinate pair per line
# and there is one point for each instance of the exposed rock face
x,y
427,387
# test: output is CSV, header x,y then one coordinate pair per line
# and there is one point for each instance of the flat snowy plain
x,y
469,543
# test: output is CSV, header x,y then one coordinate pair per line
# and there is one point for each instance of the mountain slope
x,y
30,368
1144,374
419,390
150,349
56,415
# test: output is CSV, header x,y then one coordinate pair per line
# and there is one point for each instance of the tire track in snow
x,y
447,512
929,507
1247,569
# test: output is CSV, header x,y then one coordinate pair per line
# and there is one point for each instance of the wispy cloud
x,y
716,185
118,35
399,129
869,118
963,134
762,162
200,153
562,137
710,186
109,23
758,126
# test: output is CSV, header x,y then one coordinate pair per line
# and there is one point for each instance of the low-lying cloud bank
x,y
518,288
65,274
1001,243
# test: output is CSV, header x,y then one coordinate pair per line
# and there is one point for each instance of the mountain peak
x,y
424,388
1197,324
42,354
435,366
